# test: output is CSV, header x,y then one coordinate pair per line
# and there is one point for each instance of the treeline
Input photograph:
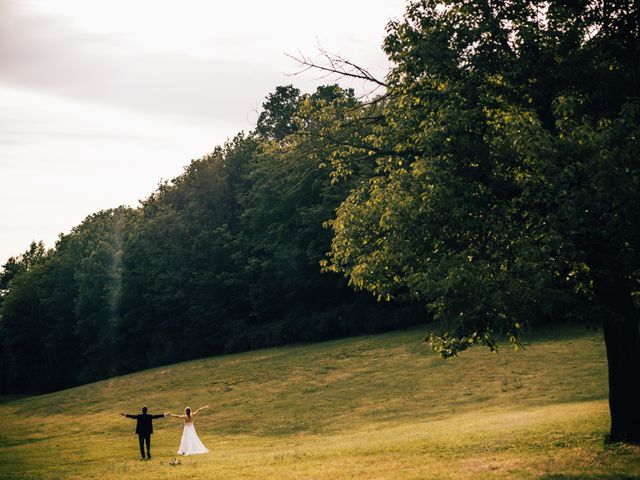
x,y
224,258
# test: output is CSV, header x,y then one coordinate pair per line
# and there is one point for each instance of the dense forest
x,y
492,183
221,259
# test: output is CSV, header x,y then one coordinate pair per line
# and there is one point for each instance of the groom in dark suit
x,y
144,429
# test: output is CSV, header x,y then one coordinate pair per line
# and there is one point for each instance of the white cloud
x,y
103,99
62,160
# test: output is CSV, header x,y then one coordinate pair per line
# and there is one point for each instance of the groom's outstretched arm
x,y
161,415
135,417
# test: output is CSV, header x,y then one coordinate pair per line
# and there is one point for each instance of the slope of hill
x,y
366,407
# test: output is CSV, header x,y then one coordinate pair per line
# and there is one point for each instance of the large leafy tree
x,y
507,176
95,249
20,358
37,338
277,118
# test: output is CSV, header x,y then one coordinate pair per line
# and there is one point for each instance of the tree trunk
x,y
622,341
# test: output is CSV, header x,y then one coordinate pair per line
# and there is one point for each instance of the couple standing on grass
x,y
190,444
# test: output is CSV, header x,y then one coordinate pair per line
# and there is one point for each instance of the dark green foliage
x,y
511,189
180,293
276,119
36,330
223,258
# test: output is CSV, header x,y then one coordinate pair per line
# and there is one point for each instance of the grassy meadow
x,y
360,408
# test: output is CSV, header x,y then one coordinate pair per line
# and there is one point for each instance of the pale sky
x,y
100,100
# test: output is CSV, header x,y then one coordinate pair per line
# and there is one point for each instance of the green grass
x,y
359,408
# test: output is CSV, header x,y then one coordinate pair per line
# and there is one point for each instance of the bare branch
x,y
336,65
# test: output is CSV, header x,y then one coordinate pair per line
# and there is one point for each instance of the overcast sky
x,y
100,100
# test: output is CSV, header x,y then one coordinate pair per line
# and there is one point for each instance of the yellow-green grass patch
x,y
362,408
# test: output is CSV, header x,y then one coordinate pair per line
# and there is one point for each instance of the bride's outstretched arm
x,y
200,409
173,415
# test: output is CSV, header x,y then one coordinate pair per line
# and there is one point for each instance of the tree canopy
x,y
512,185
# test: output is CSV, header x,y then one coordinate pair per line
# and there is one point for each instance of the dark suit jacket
x,y
144,423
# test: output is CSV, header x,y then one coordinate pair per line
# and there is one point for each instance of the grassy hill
x,y
366,407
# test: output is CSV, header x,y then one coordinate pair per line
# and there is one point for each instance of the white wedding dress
x,y
190,444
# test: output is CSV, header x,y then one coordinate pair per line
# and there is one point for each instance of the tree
x,y
180,265
36,323
289,196
507,177
278,111
20,264
16,314
96,248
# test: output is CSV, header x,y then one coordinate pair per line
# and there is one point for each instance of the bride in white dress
x,y
190,444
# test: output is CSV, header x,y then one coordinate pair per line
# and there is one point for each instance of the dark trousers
x,y
145,438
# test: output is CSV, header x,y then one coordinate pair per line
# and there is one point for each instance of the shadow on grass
x,y
608,476
18,477
12,398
